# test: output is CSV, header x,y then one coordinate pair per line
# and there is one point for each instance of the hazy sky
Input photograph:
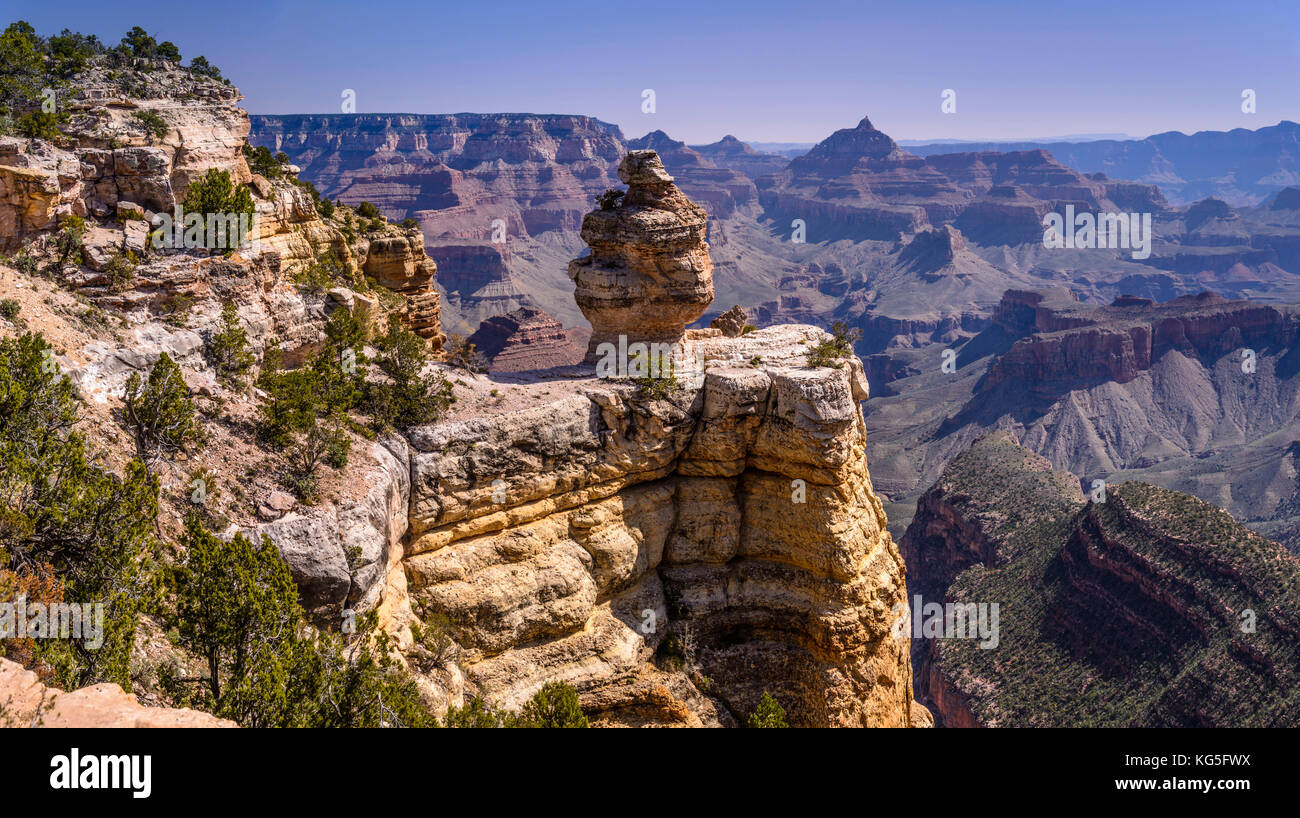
x,y
764,71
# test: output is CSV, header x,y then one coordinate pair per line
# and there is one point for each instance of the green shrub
x,y
228,348
153,123
38,125
9,308
305,415
610,199
832,351
120,270
769,713
554,706
201,66
65,514
214,193
367,211
159,411
237,609
408,397
261,161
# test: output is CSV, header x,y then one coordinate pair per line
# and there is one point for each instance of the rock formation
x,y
525,339
674,554
730,152
1127,609
649,273
722,191
583,534
730,323
26,702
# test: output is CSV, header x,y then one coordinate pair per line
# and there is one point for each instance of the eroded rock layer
x,y
649,273
730,527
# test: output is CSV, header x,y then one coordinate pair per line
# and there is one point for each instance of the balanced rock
x,y
649,272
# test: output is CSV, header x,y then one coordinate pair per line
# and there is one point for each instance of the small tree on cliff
x,y
409,397
237,608
769,713
228,348
832,351
159,411
555,705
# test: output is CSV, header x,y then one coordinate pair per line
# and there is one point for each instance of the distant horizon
x,y
762,68
791,144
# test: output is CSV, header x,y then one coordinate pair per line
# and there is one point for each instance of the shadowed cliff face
x,y
1139,607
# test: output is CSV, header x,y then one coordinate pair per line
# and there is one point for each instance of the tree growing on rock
x,y
159,411
769,713
306,413
228,348
237,608
409,396
63,513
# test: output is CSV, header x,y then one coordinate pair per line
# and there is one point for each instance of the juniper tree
x,y
409,396
61,512
159,411
237,608
228,348
769,713
306,413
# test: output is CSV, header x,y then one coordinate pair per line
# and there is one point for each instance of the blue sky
x,y
765,71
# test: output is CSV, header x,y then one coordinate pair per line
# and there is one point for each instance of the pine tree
x,y
61,512
555,705
409,397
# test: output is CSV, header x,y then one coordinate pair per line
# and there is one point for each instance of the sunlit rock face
x,y
648,274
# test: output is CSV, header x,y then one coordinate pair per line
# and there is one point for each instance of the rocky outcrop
x,y
525,339
399,263
26,702
579,537
1138,577
649,273
721,190
731,323
673,552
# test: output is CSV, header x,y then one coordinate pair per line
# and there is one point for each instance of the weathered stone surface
x,y
649,272
26,702
732,322
738,511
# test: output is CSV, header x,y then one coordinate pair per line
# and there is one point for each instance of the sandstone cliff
x,y
673,553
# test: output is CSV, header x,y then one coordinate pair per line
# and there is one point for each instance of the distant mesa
x,y
528,339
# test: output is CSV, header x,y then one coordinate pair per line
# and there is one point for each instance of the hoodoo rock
x,y
649,272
